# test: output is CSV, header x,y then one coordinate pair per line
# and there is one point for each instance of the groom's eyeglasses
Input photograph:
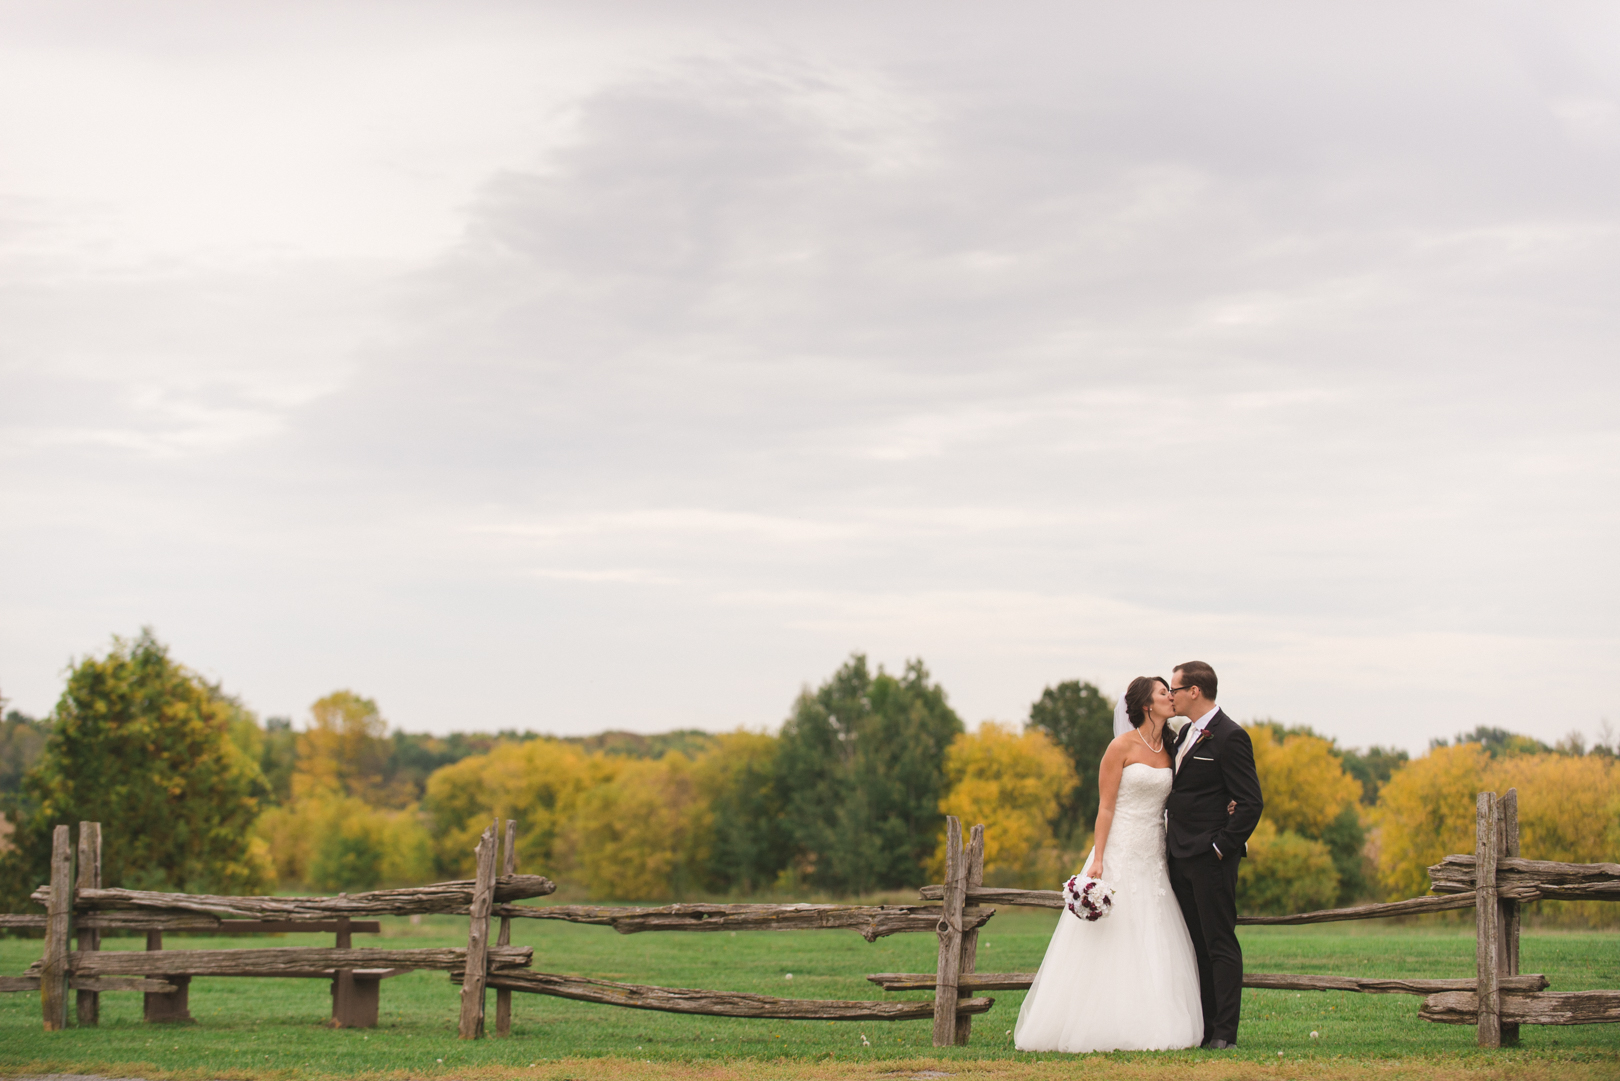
x,y
1188,687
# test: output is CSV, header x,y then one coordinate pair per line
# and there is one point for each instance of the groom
x,y
1214,763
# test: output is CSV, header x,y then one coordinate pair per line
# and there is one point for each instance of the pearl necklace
x,y
1156,750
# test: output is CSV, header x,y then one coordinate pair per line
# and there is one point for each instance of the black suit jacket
x,y
1218,769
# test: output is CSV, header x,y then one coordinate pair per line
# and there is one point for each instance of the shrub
x,y
1285,873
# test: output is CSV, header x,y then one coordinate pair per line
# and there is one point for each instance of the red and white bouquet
x,y
1089,898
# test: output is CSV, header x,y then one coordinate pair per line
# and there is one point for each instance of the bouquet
x,y
1089,898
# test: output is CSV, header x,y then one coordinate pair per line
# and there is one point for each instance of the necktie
x,y
1192,738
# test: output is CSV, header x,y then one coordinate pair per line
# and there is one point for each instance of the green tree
x,y
278,758
861,762
747,843
1501,743
1080,720
1373,768
22,741
142,745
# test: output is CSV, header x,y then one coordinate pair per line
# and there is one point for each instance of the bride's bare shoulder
x,y
1121,744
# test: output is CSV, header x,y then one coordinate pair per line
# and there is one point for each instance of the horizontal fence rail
x,y
721,1003
1545,1008
1054,899
281,961
90,983
441,898
156,921
872,921
1531,880
1021,981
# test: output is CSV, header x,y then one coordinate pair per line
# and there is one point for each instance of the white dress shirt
x,y
1198,727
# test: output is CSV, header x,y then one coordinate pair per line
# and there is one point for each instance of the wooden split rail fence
x,y
1494,881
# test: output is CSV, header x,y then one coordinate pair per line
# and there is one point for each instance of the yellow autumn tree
x,y
343,753
1014,783
1569,810
633,837
1425,811
628,829
345,827
1569,806
1306,852
1304,783
538,782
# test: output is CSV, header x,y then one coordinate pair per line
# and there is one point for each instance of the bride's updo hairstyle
x,y
1138,696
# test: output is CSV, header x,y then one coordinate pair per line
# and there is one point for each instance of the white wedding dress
x,y
1129,981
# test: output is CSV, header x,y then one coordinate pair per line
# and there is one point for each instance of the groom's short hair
x,y
1200,675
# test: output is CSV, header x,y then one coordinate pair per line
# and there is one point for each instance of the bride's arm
x,y
1108,774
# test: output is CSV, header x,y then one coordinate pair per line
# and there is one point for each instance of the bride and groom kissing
x,y
1177,804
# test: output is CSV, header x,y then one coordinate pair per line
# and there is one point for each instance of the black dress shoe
x,y
1219,1045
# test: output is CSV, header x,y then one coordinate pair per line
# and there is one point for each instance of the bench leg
x,y
174,1006
354,1001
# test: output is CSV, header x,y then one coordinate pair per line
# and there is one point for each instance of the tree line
x,y
847,798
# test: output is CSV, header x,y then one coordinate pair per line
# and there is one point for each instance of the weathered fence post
x,y
1488,919
472,985
970,939
89,1002
950,935
53,980
1508,958
503,995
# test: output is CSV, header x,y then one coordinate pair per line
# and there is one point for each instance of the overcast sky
x,y
575,366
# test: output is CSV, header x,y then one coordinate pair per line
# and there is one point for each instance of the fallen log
x,y
719,1003
107,983
445,898
1571,881
872,921
281,960
1520,1008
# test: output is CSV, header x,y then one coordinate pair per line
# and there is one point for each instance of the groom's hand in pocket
x,y
1231,807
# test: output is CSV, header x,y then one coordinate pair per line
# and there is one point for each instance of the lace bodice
x,y
1135,857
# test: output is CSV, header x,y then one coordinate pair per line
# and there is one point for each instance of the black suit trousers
x,y
1206,889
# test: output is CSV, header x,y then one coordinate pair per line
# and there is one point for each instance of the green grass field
x,y
274,1028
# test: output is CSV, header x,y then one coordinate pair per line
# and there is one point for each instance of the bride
x,y
1128,982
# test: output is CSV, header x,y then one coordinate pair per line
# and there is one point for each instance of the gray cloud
x,y
1070,344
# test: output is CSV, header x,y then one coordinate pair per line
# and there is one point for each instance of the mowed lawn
x,y
255,1027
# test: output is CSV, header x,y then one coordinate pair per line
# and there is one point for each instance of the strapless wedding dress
x,y
1129,981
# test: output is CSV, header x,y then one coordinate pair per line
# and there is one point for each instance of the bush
x,y
343,844
1285,873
